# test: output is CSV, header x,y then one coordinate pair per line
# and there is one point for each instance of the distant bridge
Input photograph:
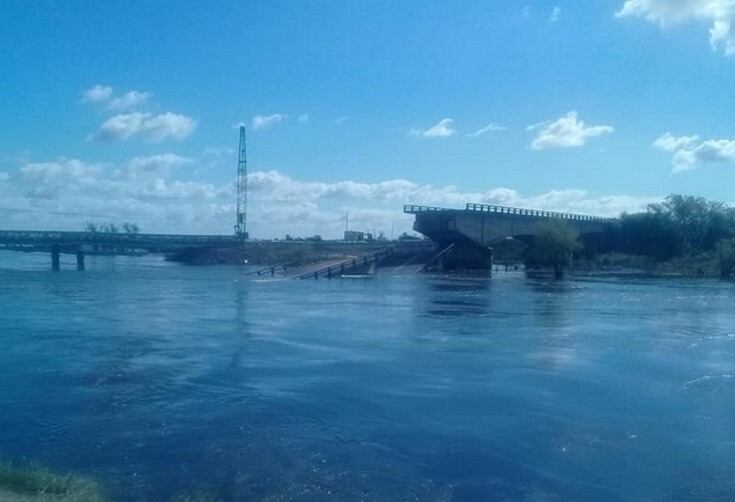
x,y
473,231
82,243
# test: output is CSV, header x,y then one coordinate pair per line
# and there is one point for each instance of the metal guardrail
x,y
411,209
486,208
338,269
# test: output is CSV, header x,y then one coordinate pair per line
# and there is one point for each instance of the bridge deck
x,y
486,208
44,239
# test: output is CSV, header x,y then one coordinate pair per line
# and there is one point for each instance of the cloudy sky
x,y
128,110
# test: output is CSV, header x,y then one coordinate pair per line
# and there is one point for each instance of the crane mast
x,y
242,189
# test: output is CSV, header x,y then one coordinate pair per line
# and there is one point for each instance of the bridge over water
x,y
472,232
82,243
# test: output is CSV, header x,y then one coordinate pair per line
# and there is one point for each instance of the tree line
x,y
111,228
681,226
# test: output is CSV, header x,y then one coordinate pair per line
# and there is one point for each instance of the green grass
x,y
38,484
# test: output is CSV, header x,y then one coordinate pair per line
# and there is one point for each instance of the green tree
x,y
726,257
681,225
130,228
554,245
650,234
109,228
700,223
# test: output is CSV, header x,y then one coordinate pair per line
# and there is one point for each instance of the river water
x,y
162,380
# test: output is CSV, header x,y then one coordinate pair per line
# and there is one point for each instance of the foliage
x,y
111,228
726,257
130,228
679,226
405,236
554,245
648,234
700,223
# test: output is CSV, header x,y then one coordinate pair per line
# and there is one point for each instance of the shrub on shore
x,y
553,246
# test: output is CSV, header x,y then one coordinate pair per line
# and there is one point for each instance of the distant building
x,y
353,235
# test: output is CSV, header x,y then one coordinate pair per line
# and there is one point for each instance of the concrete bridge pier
x,y
55,258
80,260
468,256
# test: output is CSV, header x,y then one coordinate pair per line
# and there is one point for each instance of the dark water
x,y
161,380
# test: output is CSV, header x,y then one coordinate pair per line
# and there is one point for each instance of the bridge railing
x,y
33,237
413,209
487,208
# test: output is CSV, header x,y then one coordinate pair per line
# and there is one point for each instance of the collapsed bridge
x,y
472,232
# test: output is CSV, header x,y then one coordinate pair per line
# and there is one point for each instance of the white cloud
x,y
104,94
442,129
690,151
555,14
341,120
49,180
154,165
152,192
567,132
526,12
670,143
303,118
665,13
147,126
263,122
131,99
280,187
488,128
97,94
136,124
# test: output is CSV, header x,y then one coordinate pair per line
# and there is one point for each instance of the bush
x,y
554,246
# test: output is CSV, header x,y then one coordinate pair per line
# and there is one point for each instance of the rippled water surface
x,y
162,380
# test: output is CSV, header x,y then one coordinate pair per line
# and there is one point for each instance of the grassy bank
x,y
38,484
267,253
699,265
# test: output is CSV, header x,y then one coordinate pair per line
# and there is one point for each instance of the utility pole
x,y
242,189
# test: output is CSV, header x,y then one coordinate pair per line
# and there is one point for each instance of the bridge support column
x,y
468,256
55,258
80,260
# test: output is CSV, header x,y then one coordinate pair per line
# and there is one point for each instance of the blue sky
x,y
363,106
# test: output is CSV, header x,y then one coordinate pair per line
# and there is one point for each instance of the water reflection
x,y
458,296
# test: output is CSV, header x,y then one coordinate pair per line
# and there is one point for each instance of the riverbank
x,y
272,253
307,253
705,265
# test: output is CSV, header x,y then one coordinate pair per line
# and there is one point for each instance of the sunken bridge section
x,y
472,232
